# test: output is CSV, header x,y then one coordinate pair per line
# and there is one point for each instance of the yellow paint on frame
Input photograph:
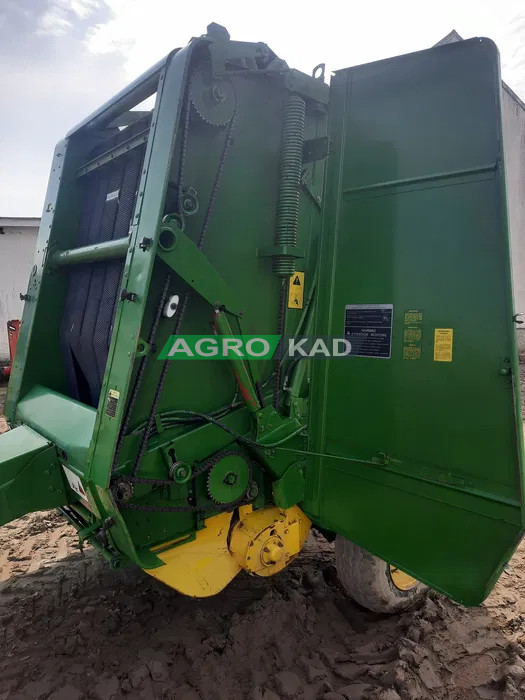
x,y
443,339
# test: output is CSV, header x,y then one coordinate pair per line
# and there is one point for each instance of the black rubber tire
x,y
367,580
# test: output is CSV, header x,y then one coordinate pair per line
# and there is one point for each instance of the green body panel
x,y
29,464
416,460
428,453
62,420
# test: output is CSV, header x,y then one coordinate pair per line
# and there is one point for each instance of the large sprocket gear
x,y
228,478
212,98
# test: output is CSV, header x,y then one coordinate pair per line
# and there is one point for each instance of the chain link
x,y
228,142
197,472
140,372
180,316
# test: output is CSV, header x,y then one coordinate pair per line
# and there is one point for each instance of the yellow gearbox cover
x,y
264,541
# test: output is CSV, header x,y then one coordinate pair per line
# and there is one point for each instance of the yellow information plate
x,y
443,344
296,291
412,334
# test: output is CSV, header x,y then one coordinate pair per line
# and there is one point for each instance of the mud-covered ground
x,y
70,629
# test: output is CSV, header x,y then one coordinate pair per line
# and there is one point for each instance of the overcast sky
x,y
60,59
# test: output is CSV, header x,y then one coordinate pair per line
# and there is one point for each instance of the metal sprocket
x,y
212,98
228,478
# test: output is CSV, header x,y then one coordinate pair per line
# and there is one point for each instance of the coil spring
x,y
290,182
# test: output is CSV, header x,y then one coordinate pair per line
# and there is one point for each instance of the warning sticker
x,y
412,334
368,327
111,406
296,291
443,338
75,483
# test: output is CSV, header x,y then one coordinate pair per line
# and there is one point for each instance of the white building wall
x,y
513,114
17,247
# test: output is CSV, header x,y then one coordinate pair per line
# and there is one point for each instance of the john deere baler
x,y
259,303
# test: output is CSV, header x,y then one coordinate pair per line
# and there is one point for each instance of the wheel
x,y
372,582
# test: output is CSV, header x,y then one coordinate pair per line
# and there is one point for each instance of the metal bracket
x,y
182,255
382,458
232,57
88,532
126,295
273,428
306,184
316,149
289,250
306,86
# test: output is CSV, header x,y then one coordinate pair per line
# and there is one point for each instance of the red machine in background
x,y
13,329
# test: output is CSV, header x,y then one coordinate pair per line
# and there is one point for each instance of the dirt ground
x,y
72,629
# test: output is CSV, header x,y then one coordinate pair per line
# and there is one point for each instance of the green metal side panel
x,y
422,458
62,420
30,475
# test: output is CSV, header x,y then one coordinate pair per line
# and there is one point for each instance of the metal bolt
x,y
218,93
230,479
127,296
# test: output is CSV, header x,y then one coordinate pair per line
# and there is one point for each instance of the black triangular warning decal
x,y
297,280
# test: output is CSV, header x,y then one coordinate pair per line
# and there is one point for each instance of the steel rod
x,y
92,253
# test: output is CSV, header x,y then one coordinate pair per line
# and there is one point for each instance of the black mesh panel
x,y
109,199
